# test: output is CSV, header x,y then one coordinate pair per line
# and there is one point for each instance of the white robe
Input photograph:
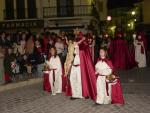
x,y
55,64
75,76
103,69
140,57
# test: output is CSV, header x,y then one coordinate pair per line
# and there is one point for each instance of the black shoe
x,y
72,98
96,104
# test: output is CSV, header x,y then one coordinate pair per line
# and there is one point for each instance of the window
x,y
20,6
32,11
65,8
9,9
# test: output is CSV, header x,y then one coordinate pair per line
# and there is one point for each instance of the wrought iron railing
x,y
67,11
50,12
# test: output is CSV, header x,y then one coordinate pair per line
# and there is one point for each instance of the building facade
x,y
146,14
54,14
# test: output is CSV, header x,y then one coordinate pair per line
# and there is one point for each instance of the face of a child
x,y
52,52
58,40
102,53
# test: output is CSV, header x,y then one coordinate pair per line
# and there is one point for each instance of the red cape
x,y
46,83
88,76
120,55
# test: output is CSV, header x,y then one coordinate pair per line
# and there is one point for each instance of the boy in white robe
x,y
55,73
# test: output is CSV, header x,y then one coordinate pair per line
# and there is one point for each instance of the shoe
x,y
96,104
72,98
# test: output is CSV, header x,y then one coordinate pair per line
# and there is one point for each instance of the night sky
x,y
120,3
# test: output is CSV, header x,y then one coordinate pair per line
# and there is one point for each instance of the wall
x,y
146,13
1,10
102,9
82,2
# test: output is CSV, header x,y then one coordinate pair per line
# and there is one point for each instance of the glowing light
x,y
133,12
109,18
135,20
129,25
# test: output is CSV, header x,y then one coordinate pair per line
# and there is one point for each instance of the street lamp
x,y
135,20
133,13
129,25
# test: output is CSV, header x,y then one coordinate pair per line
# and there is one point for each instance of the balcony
x,y
49,12
67,11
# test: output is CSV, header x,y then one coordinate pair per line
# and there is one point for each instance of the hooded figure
x,y
140,46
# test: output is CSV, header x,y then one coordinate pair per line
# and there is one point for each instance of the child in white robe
x,y
55,73
103,88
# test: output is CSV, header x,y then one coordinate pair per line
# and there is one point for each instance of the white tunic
x,y
75,76
55,68
103,69
140,57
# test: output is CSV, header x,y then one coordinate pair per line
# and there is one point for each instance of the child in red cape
x,y
108,84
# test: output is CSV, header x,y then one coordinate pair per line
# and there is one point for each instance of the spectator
x,y
8,41
60,49
1,65
3,39
39,57
30,45
9,57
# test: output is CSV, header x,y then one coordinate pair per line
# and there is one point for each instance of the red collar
x,y
102,59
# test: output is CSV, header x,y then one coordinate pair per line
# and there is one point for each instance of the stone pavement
x,y
32,99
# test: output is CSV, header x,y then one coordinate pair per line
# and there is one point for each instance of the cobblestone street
x,y
32,99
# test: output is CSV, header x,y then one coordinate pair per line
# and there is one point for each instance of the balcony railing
x,y
67,11
49,12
